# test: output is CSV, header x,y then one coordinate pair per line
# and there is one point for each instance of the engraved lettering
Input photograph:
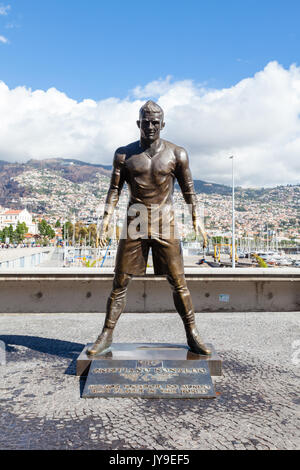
x,y
147,370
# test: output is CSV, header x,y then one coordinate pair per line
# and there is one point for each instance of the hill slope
x,y
33,183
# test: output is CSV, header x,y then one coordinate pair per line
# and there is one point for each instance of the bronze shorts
x,y
132,256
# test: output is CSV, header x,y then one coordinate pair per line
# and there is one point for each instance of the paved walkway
x,y
8,254
53,261
258,396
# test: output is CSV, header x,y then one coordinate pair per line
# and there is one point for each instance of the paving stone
x,y
257,406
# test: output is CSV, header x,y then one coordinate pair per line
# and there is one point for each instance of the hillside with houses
x,y
58,189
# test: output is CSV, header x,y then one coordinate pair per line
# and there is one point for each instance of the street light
x,y
233,218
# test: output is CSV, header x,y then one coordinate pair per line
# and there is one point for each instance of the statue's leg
x,y
184,306
115,306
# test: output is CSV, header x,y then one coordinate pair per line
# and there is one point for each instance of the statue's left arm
x,y
185,181
115,188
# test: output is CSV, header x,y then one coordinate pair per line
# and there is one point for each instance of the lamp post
x,y
233,215
73,238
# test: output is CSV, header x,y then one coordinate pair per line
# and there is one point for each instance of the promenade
x,y
257,406
15,258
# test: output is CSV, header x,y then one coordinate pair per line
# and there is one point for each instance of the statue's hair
x,y
151,107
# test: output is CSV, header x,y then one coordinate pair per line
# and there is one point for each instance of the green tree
x,y
67,230
43,228
83,233
11,233
46,230
216,240
20,231
4,234
92,233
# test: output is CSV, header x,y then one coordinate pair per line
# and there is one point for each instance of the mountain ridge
x,y
77,171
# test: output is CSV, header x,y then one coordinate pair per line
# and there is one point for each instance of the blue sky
x,y
73,75
97,49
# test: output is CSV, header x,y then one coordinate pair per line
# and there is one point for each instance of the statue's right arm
x,y
115,188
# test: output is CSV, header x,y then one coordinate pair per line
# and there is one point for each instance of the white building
x,y
12,217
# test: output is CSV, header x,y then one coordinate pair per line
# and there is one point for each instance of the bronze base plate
x,y
148,370
148,351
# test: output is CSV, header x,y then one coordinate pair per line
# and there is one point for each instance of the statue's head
x,y
151,121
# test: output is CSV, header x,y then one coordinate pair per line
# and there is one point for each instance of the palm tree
x,y
92,230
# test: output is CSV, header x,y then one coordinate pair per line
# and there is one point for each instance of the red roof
x,y
12,212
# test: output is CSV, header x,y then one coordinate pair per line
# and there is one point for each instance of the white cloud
x,y
257,120
4,40
154,89
4,9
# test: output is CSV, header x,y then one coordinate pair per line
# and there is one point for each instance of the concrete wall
x,y
86,290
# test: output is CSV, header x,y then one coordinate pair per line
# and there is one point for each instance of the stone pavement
x,y
258,396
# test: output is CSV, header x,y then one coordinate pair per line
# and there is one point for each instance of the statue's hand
x,y
205,240
204,236
103,235
200,231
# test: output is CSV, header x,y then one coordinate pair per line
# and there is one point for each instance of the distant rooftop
x,y
11,212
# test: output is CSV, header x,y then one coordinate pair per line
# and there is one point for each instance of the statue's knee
x,y
178,283
121,281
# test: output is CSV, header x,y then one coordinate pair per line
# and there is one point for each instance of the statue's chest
x,y
148,167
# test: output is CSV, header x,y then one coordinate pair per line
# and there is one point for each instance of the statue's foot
x,y
195,342
103,342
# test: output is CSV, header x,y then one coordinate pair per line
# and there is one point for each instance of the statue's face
x,y
150,126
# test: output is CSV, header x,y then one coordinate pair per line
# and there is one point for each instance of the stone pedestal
x,y
149,370
148,351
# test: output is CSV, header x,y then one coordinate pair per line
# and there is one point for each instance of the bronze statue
x,y
149,167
